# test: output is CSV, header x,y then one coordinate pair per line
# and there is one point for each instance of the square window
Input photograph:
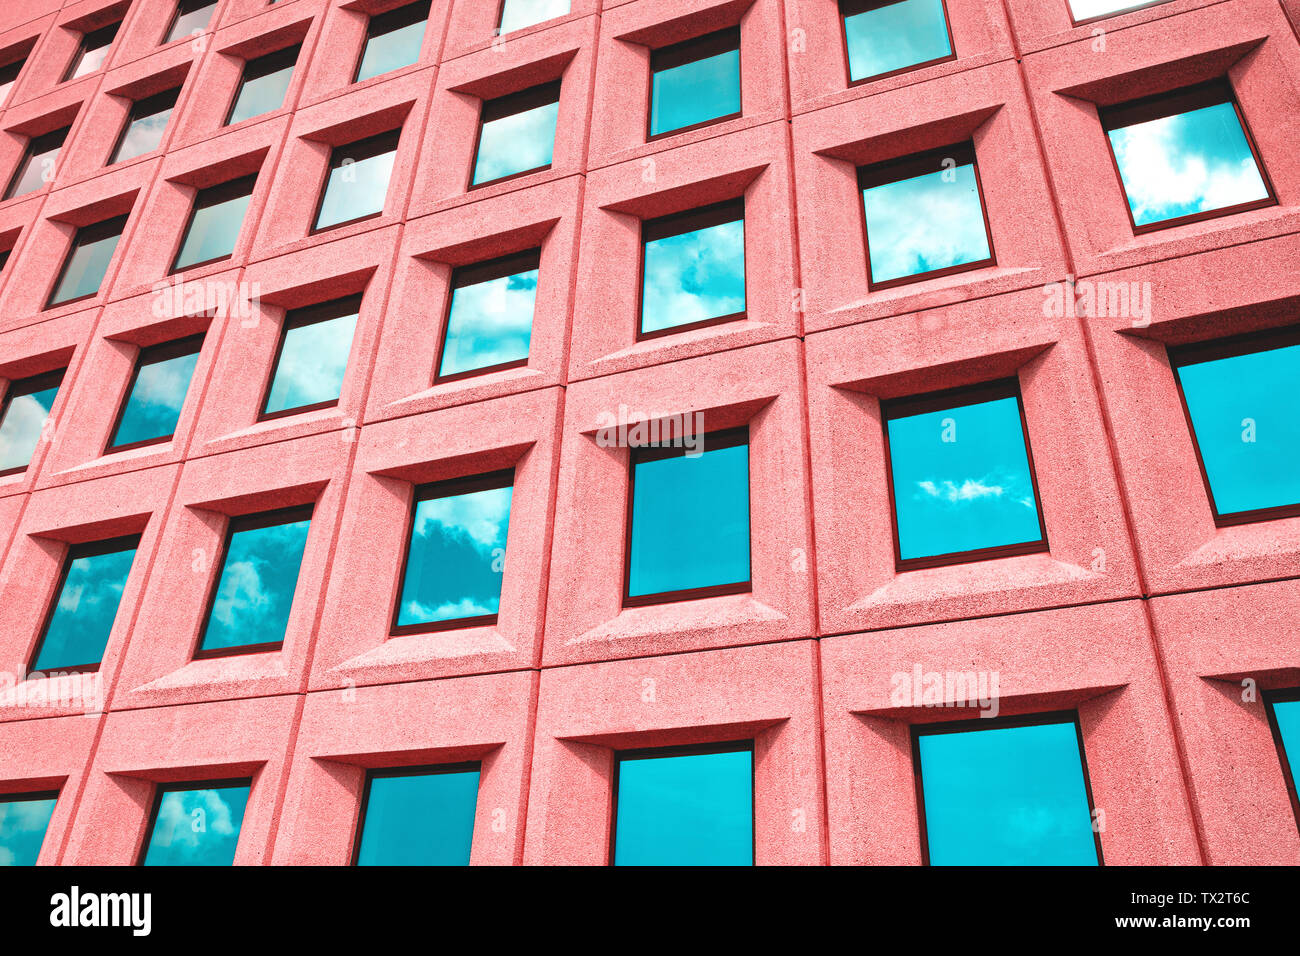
x,y
87,262
684,806
8,77
263,85
517,14
1284,718
961,477
145,125
155,394
191,17
81,617
92,51
417,816
1185,156
24,818
26,405
393,40
356,185
884,37
516,134
693,269
489,316
924,217
455,554
311,358
37,165
688,520
1242,406
1004,793
196,824
1081,11
248,609
695,83
214,224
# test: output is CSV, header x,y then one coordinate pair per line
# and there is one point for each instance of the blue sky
x,y
693,277
197,827
516,143
524,13
143,136
695,92
154,404
896,36
261,95
213,231
392,51
21,429
255,594
356,189
424,820
312,364
1287,714
86,609
22,830
925,223
86,269
490,323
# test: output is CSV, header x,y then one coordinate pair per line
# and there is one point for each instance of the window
x,y
1010,792
517,14
1084,10
311,358
37,165
248,609
695,83
92,52
417,816
961,476
87,262
214,223
693,269
1185,156
24,818
191,17
155,394
23,411
684,806
264,84
145,125
516,134
8,77
490,316
175,836
4,258
393,40
80,620
688,519
925,217
1284,718
357,183
1242,406
884,37
455,554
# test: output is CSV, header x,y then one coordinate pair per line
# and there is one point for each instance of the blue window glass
x,y
197,824
418,817
88,261
24,818
1005,796
1243,408
215,223
314,346
456,554
263,85
191,17
1184,155
961,476
517,14
393,40
693,268
145,125
157,393
357,184
1284,712
38,165
490,318
695,82
85,606
254,595
925,216
1092,9
677,808
690,519
886,36
24,409
92,52
517,134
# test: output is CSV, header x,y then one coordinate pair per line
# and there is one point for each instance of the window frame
x,y
942,400
104,226
160,789
395,16
89,549
1232,346
445,488
692,50
686,750
422,770
851,8
712,441
274,57
1177,102
136,112
501,14
205,198
83,47
29,154
180,11
475,274
1037,719
512,104
1286,696
20,62
369,148
151,355
236,523
21,387
301,318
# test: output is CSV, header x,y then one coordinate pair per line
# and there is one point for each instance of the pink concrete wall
x,y
1144,616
